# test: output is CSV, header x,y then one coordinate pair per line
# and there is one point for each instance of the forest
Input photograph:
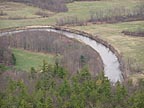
x,y
53,87
44,64
61,85
70,53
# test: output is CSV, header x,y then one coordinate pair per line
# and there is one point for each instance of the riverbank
x,y
111,48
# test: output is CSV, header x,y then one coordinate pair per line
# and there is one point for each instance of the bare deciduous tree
x,y
71,51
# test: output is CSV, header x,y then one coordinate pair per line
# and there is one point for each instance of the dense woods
x,y
54,88
72,54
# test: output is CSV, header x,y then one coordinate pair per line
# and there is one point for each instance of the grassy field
x,y
136,28
26,59
19,10
131,48
79,9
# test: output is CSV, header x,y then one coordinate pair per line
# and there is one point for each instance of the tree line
x,y
72,54
117,14
109,15
54,88
53,5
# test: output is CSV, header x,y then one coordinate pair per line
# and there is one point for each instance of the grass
x,y
130,47
137,28
3,68
82,9
25,22
79,9
19,10
135,78
26,59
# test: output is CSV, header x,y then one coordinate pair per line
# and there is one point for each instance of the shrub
x,y
13,59
70,20
2,13
42,14
117,14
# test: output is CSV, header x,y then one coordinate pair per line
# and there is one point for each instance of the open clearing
x,y
27,59
20,11
79,9
130,47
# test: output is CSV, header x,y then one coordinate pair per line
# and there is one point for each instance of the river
x,y
110,60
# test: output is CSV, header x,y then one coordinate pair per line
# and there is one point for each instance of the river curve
x,y
110,60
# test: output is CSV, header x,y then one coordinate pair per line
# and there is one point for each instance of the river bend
x,y
110,60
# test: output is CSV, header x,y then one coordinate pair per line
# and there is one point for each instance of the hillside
x,y
71,53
